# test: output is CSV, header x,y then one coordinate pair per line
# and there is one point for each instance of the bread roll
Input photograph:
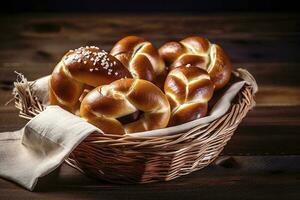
x,y
141,58
106,105
188,90
199,52
80,69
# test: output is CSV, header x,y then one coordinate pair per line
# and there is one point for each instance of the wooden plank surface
x,y
258,177
265,149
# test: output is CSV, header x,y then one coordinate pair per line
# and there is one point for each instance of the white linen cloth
x,y
41,146
47,139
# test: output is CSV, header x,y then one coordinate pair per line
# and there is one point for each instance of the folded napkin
x,y
41,146
48,139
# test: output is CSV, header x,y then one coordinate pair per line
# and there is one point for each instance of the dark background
x,y
15,6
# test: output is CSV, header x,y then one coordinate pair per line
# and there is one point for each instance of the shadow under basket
x,y
132,159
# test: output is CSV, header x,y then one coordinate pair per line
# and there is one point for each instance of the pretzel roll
x,y
141,58
107,105
188,90
199,52
82,69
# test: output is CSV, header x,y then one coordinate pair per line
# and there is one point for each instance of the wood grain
x,y
233,178
265,148
245,37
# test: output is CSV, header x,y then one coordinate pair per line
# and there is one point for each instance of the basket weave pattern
x,y
131,159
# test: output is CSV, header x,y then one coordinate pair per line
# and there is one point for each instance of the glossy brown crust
x,y
86,67
220,70
171,51
99,75
199,52
189,113
105,104
141,58
188,90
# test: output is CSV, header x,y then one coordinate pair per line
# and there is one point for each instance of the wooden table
x,y
262,161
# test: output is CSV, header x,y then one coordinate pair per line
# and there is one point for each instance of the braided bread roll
x,y
188,90
141,58
80,69
199,52
106,105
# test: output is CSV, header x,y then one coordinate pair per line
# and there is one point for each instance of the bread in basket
x,y
142,159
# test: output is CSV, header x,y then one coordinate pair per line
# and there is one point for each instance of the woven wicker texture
x,y
131,159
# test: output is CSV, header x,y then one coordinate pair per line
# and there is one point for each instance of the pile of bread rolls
x,y
137,87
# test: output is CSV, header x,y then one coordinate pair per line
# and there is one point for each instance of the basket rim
x,y
29,105
183,153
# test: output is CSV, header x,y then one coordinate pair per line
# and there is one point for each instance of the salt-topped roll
x,y
80,70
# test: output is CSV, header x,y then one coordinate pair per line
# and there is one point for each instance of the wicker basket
x,y
128,159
